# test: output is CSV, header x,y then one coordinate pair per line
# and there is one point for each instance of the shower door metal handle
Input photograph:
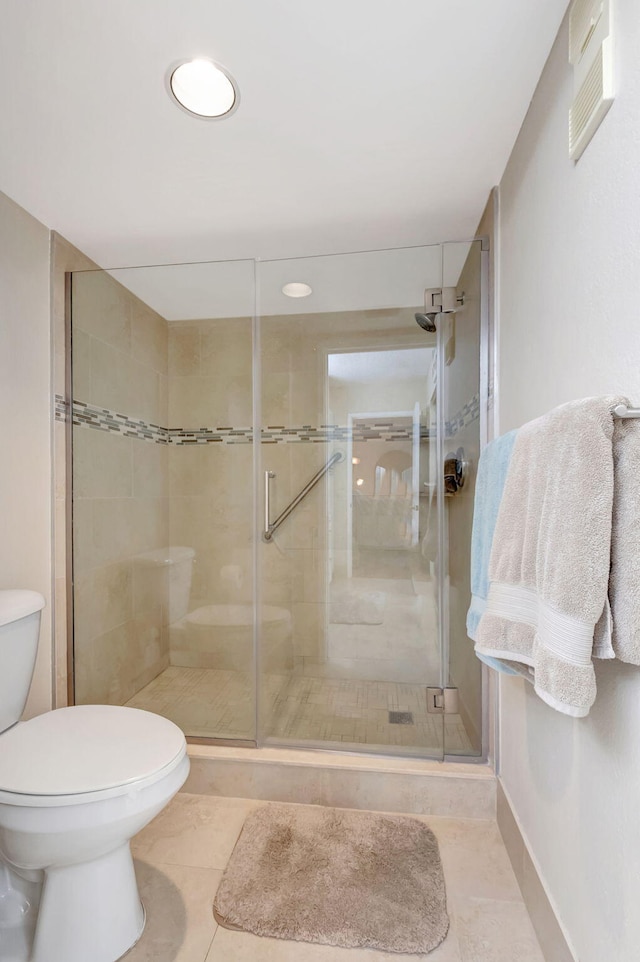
x,y
270,527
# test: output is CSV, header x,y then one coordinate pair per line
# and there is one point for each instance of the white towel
x,y
624,580
549,567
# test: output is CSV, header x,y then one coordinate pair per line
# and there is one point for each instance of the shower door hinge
x,y
442,701
443,299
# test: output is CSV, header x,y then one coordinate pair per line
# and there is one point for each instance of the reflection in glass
x,y
183,399
162,494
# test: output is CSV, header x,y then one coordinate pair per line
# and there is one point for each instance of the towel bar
x,y
622,411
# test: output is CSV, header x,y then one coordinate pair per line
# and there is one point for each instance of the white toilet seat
x,y
86,753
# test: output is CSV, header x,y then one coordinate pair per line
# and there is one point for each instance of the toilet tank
x,y
19,630
163,577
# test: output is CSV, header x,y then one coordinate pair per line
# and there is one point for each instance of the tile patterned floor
x,y
202,701
209,702
357,712
181,855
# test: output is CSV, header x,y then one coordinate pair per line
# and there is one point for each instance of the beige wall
x,y
570,236
25,402
120,492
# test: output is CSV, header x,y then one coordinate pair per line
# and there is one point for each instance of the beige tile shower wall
x,y
210,385
294,393
211,485
293,563
465,671
297,552
121,490
210,373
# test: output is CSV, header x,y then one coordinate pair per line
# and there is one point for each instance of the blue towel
x,y
492,475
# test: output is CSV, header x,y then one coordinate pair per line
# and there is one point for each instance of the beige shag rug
x,y
337,877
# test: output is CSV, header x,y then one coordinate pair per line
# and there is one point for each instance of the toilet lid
x,y
87,748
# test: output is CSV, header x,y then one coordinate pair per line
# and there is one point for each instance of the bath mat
x,y
337,877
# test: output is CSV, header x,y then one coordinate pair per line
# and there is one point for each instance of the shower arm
x,y
270,527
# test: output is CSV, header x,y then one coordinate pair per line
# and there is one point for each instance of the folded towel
x,y
549,566
624,579
490,481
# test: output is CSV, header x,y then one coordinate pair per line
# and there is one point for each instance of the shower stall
x,y
272,497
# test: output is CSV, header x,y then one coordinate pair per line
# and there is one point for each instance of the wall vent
x,y
583,21
591,102
591,55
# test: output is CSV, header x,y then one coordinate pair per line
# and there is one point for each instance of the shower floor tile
x,y
206,702
347,710
203,702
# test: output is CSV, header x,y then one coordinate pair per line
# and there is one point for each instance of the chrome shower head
x,y
427,321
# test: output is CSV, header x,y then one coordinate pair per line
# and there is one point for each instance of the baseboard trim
x,y
553,942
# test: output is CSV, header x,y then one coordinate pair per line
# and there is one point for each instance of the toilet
x,y
163,576
76,784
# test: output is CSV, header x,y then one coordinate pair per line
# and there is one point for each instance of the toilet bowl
x,y
75,785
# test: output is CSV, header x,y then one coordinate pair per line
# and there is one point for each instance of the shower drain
x,y
401,718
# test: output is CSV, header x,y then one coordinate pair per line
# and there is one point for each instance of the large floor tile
x,y
195,830
185,849
474,858
230,946
180,923
495,931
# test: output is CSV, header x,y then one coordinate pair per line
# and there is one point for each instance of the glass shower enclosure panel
x,y
163,527
348,563
462,355
272,497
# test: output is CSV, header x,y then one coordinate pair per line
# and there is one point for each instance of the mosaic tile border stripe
x,y
470,412
60,408
102,419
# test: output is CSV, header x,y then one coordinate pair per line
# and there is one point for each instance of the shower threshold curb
x,y
365,782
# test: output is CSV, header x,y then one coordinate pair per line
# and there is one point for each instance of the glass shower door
x,y
163,526
349,636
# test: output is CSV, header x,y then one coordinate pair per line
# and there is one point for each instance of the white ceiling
x,y
362,123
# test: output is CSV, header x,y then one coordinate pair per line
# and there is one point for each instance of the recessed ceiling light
x,y
203,88
297,289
